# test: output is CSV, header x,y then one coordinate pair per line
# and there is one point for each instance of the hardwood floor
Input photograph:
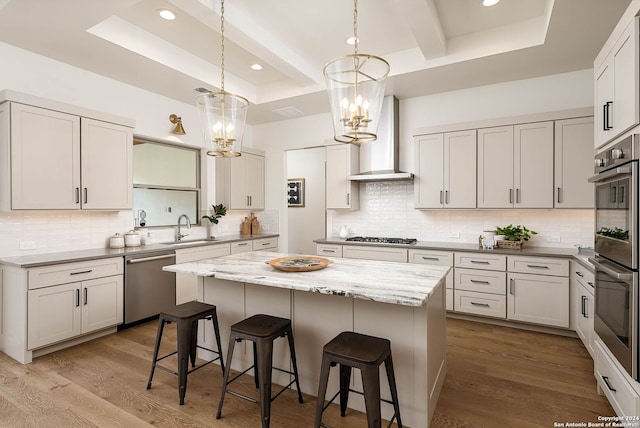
x,y
498,377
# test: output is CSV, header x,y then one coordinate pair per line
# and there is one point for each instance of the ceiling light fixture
x,y
177,120
355,84
222,115
490,2
256,67
166,14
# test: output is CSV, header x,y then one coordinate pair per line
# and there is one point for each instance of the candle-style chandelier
x,y
355,85
222,115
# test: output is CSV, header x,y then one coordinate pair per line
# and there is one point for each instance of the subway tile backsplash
x,y
386,209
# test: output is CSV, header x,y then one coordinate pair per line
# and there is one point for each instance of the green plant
x,y
616,233
515,233
218,211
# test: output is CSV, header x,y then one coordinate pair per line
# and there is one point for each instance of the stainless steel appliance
x,y
148,290
378,240
616,247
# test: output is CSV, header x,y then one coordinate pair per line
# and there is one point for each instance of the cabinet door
x,y
45,159
533,165
538,299
625,80
495,167
54,314
254,167
460,162
238,178
342,161
583,314
429,171
573,163
102,303
603,100
106,166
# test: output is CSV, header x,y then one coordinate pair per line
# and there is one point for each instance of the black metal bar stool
x,y
186,317
355,350
262,330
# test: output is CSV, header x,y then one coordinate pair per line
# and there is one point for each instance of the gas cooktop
x,y
375,239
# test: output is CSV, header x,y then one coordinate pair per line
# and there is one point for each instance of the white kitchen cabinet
x,y
582,301
59,160
246,182
479,284
615,383
329,250
573,163
437,258
241,247
387,254
265,244
616,88
538,299
187,284
342,161
445,170
515,166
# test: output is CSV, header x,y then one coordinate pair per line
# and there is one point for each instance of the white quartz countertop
x,y
387,282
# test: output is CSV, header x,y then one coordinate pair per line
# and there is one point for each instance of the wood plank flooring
x,y
498,377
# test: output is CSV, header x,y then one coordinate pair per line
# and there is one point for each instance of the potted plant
x,y
218,212
514,236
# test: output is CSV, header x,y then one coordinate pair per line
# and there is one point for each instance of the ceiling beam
x,y
424,22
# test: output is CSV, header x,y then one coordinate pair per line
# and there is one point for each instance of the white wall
x,y
550,93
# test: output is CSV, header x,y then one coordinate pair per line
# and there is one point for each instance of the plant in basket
x,y
514,236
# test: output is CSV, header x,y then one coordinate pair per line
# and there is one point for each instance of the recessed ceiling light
x,y
352,41
256,67
166,14
489,2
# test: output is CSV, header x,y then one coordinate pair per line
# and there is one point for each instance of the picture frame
x,y
295,192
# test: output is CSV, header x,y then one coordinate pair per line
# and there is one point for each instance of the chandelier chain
x,y
222,45
355,25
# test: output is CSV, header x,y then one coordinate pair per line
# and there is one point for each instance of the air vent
x,y
288,112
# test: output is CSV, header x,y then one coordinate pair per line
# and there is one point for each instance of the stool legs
x,y
185,333
292,353
322,390
345,380
264,364
391,377
155,351
371,386
227,369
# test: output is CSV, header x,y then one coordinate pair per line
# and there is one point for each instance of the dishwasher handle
x,y
147,259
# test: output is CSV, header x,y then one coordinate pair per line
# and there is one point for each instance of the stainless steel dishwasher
x,y
148,290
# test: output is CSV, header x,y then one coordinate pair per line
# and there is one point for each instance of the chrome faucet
x,y
179,235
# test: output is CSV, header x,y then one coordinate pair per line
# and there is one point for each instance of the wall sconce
x,y
177,120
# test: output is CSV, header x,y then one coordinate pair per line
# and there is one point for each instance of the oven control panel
x,y
620,153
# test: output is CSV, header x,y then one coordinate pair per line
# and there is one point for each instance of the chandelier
x,y
222,115
355,85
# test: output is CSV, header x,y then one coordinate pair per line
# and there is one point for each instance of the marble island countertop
x,y
386,282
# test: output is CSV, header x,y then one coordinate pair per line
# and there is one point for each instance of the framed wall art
x,y
295,192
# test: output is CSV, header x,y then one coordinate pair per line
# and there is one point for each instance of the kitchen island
x,y
401,302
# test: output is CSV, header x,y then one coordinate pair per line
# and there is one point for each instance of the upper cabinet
x,y
616,88
240,181
57,160
342,161
515,166
573,163
445,170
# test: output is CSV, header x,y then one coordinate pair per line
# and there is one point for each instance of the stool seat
x,y
359,348
186,317
262,326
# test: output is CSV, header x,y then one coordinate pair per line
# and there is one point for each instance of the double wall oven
x,y
616,248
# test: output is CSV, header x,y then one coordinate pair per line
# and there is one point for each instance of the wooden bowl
x,y
299,263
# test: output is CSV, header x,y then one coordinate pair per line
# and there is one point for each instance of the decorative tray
x,y
299,263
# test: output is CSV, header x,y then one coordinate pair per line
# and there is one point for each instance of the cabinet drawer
x,y
491,305
264,244
480,261
480,281
375,253
614,383
538,265
583,275
64,273
200,253
329,250
430,257
241,247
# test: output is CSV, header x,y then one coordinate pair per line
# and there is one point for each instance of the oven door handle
x,y
621,170
621,275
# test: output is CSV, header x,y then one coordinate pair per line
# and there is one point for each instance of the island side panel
x,y
436,352
13,341
318,318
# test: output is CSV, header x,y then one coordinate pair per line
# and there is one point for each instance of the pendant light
x,y
222,115
355,85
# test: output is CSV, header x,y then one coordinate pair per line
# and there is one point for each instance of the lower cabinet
x,y
619,388
583,305
385,254
187,284
538,299
437,258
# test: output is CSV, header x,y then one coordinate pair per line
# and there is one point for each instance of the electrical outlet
x,y
454,234
553,238
264,227
27,245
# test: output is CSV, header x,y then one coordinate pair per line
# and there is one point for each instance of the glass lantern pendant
x,y
355,85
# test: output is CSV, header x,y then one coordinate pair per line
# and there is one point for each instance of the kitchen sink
x,y
185,243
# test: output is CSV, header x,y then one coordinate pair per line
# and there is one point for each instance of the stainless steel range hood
x,y
379,159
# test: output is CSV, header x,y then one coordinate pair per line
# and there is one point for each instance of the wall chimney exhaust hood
x,y
379,159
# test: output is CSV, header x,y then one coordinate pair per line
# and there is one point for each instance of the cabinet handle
x,y
250,201
441,200
266,243
81,272
479,262
590,283
510,196
476,281
538,266
348,198
85,296
613,194
430,258
579,274
517,196
605,108
328,251
243,244
77,195
512,290
479,304
85,195
558,198
606,380
607,115
446,196
77,297
582,298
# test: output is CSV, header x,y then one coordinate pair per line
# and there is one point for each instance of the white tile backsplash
x,y
386,209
